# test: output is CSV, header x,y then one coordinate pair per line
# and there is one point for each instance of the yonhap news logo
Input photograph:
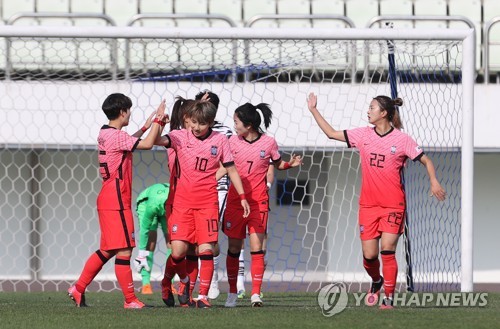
x,y
333,299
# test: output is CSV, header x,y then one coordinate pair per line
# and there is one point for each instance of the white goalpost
x,y
54,81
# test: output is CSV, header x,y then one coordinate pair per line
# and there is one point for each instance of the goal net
x,y
53,86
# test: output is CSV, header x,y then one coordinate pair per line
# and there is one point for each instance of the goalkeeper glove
x,y
141,263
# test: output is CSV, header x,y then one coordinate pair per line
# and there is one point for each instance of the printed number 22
x,y
377,160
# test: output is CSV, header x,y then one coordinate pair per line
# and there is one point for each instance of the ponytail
x,y
396,118
267,115
179,111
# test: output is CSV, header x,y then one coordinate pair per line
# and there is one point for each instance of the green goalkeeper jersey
x,y
154,198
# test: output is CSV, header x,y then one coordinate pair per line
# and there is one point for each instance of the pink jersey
x,y
198,162
115,166
382,160
172,167
252,161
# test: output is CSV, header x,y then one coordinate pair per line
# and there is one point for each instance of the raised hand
x,y
312,101
160,111
295,160
149,120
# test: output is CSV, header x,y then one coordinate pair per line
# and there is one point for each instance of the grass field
x,y
283,310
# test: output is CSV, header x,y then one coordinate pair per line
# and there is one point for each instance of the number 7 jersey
x,y
252,160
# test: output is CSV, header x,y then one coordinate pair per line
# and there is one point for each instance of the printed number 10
x,y
201,164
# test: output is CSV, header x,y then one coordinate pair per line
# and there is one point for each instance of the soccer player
x,y
178,120
195,211
116,220
151,213
252,151
383,150
240,282
222,188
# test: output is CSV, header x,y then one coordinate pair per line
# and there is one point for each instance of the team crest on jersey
x,y
228,225
213,151
393,149
262,154
174,229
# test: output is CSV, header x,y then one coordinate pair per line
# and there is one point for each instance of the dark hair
x,y
249,116
391,107
179,111
114,104
212,98
203,112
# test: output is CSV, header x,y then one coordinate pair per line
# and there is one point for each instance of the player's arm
x,y
295,161
270,176
238,185
329,131
156,128
146,126
436,189
220,172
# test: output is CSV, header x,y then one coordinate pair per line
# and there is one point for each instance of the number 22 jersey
x,y
382,161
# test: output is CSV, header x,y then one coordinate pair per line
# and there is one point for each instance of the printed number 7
x,y
250,166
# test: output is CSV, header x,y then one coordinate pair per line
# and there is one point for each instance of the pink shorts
x,y
375,220
196,226
117,229
235,226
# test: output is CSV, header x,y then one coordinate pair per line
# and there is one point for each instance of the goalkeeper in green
x,y
151,213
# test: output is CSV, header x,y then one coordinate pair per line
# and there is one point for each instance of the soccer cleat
x,y
190,304
256,301
231,300
146,289
214,291
166,293
183,292
202,302
77,297
387,304
373,294
241,294
136,303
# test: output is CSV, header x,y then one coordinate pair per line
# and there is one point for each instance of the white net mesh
x,y
50,116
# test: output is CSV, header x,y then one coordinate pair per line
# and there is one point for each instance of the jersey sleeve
x,y
354,136
226,155
175,139
127,142
275,154
412,149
